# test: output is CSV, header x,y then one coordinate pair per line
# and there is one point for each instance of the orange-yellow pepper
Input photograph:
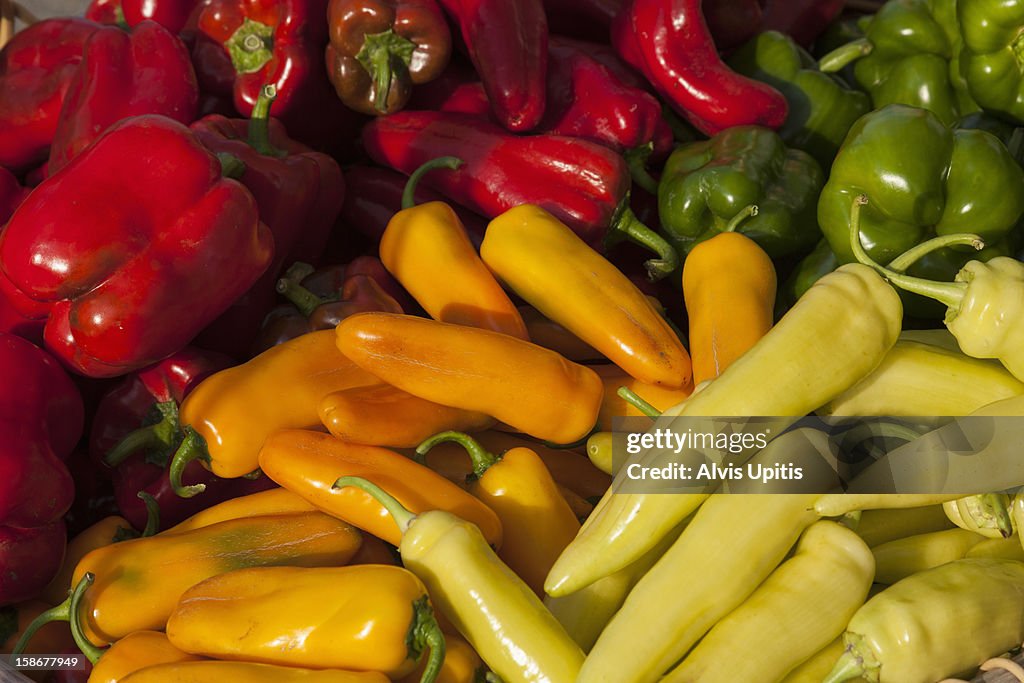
x,y
427,249
551,335
383,415
524,385
729,288
613,405
461,663
275,501
307,463
247,672
579,506
374,551
229,415
550,267
136,651
104,532
536,520
360,618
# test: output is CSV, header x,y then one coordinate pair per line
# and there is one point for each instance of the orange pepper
x,y
536,520
51,639
384,415
214,671
548,265
308,463
104,532
276,501
614,405
229,415
461,663
729,288
424,241
136,651
374,551
579,506
528,387
551,335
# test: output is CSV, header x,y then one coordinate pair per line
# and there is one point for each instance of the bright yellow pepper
x,y
360,618
104,532
550,267
246,672
528,387
536,520
231,413
276,501
136,651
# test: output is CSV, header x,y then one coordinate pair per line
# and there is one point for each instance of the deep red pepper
x,y
802,20
299,193
669,42
242,45
133,247
146,71
583,184
36,68
585,19
733,22
136,426
41,417
508,44
11,195
173,15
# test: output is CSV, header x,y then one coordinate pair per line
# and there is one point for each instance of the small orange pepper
x,y
421,242
536,520
729,288
375,551
613,405
308,463
134,652
548,265
461,663
524,385
384,415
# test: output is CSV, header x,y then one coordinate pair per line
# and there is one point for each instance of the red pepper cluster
x,y
159,225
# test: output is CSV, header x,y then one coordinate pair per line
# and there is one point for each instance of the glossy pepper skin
x,y
307,463
137,651
941,191
530,388
706,184
41,417
110,311
990,58
122,74
668,41
247,672
913,54
821,107
582,184
380,49
36,68
360,618
508,45
299,193
535,254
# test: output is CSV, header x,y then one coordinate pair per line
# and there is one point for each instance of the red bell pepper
x,y
122,74
11,195
583,184
242,45
508,44
173,15
136,430
36,68
584,19
41,417
299,194
669,42
133,247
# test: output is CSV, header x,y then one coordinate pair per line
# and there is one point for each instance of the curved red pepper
x,y
147,71
669,42
173,15
36,68
299,193
583,184
508,44
134,247
41,415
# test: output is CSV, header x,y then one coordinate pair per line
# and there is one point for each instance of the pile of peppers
x,y
317,318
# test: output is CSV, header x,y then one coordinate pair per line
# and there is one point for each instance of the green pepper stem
x,y
403,518
426,633
633,399
382,55
949,293
744,213
482,458
845,54
636,159
303,299
161,435
626,226
847,668
193,447
152,514
230,165
259,123
916,253
71,607
409,193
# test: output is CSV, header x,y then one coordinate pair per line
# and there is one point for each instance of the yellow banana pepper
x,y
881,526
899,559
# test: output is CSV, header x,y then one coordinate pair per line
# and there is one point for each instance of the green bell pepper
x,y
706,184
922,179
992,59
821,107
910,55
809,270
